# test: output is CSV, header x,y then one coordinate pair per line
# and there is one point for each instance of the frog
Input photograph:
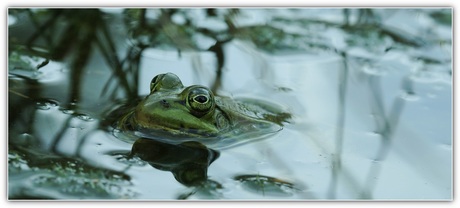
x,y
183,113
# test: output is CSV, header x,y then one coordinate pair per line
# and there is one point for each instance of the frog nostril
x,y
165,103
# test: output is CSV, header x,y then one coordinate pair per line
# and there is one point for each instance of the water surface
x,y
370,92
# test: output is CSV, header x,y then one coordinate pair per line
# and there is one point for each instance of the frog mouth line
x,y
167,128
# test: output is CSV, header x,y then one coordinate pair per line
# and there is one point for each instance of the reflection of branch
x,y
18,109
337,159
219,52
78,65
40,32
117,66
386,134
59,136
18,94
378,108
346,16
80,145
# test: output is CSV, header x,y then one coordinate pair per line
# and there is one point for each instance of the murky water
x,y
370,92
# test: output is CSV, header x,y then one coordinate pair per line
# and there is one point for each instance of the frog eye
x,y
154,82
168,81
200,100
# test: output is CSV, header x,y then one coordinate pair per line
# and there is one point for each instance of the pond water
x,y
369,92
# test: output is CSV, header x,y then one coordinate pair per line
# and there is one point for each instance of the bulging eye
x,y
200,100
154,82
168,81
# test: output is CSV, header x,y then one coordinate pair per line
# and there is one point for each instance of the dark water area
x,y
364,98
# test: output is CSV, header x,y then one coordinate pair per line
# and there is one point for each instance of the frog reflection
x,y
194,113
188,161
